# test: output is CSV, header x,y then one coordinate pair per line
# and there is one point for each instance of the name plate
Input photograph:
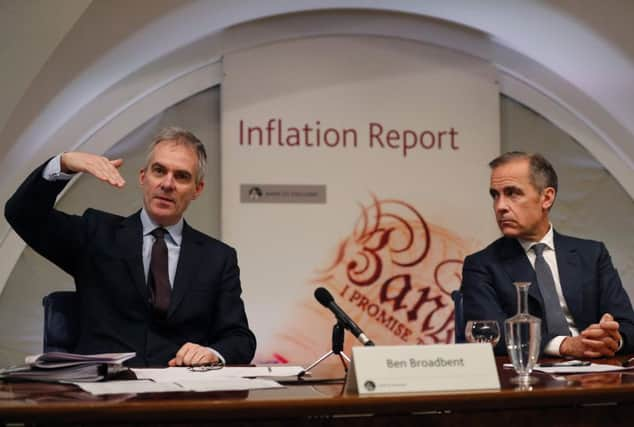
x,y
419,368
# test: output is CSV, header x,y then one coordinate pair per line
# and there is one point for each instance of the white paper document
x,y
229,383
141,386
589,369
185,374
128,387
592,368
186,379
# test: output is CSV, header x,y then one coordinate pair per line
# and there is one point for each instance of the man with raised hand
x,y
148,283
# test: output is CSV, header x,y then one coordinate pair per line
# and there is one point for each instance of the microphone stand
x,y
337,349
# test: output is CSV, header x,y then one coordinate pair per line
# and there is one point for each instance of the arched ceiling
x,y
587,43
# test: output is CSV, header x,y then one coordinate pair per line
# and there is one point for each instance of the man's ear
x,y
199,189
548,197
141,176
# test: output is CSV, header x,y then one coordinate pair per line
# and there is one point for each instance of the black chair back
x,y
61,321
456,296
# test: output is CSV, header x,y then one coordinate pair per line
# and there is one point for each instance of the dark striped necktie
x,y
159,274
556,323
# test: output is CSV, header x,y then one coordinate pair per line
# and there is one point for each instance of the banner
x,y
359,164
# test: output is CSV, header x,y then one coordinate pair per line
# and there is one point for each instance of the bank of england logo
x,y
369,385
255,193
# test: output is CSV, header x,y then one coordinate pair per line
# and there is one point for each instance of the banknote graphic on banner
x,y
393,137
388,272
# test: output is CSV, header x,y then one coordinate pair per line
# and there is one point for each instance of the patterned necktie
x,y
159,276
555,320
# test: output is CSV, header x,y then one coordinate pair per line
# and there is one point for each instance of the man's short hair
x,y
542,173
182,136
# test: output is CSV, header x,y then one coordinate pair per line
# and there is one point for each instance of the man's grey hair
x,y
185,137
542,172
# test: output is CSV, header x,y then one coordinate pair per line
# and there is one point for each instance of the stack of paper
x,y
68,367
188,379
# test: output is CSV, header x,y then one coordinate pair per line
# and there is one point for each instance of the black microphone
x,y
325,298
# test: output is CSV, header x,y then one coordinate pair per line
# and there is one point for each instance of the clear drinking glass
x,y
523,337
482,331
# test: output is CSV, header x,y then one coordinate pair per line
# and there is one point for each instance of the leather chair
x,y
456,296
61,321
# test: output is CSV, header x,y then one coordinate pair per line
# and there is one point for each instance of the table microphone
x,y
325,298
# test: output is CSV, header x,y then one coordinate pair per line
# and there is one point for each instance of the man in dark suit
x,y
172,295
575,289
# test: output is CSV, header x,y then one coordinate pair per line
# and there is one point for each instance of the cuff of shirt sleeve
x,y
222,359
552,348
53,170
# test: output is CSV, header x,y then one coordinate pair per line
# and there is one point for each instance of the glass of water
x,y
523,337
483,331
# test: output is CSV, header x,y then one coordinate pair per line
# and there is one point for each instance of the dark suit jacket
x,y
103,254
590,285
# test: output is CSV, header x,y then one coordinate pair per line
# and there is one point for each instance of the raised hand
x,y
100,167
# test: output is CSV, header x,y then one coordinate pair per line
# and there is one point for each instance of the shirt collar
x,y
175,231
548,240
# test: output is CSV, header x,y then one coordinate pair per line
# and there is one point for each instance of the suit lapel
x,y
188,261
518,267
129,240
568,266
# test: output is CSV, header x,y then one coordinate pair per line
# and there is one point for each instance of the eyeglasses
x,y
209,367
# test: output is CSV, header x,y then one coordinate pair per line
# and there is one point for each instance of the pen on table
x,y
564,364
270,370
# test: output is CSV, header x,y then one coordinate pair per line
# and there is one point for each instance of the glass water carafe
x,y
523,337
